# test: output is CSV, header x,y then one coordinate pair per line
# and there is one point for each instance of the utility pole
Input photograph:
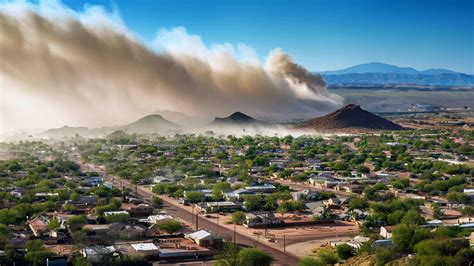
x,y
234,235
197,220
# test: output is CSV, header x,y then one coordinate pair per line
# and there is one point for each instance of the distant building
x,y
386,231
385,243
203,238
146,249
357,241
160,218
163,180
220,206
238,194
38,226
258,219
265,188
94,181
97,253
140,210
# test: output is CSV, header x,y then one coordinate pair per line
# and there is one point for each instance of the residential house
x,y
357,241
146,249
220,206
163,180
385,243
115,213
434,223
159,218
320,178
139,210
315,164
386,231
465,220
38,226
305,194
332,203
83,202
265,188
259,219
203,238
94,181
97,253
238,194
281,164
116,230
18,192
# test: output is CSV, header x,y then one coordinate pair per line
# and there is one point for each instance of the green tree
x,y
358,203
54,224
117,218
81,261
219,189
227,255
457,197
344,251
328,257
405,237
253,202
156,202
383,256
253,257
194,196
413,217
36,253
170,226
310,261
76,221
437,213
238,217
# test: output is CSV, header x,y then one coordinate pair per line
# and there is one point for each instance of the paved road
x,y
280,257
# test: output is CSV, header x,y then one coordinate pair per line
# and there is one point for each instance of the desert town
x,y
185,198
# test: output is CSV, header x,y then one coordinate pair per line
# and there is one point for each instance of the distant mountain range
x,y
385,74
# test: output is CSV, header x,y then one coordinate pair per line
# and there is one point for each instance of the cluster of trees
x,y
444,246
391,212
231,255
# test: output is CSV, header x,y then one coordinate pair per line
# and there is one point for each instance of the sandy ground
x,y
306,248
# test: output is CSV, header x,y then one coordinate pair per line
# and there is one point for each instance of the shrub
x,y
310,261
238,217
171,226
253,257
344,251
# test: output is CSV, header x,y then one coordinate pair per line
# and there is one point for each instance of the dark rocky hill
x,y
235,118
150,124
349,117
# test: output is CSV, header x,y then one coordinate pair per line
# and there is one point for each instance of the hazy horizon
x,y
96,63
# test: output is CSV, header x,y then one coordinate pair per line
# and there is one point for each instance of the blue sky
x,y
321,35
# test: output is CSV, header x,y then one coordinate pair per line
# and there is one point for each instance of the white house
x,y
386,231
159,218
